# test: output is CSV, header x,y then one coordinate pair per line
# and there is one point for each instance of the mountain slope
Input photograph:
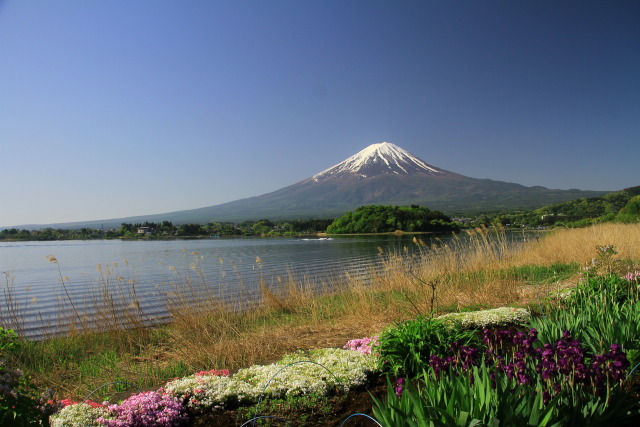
x,y
380,174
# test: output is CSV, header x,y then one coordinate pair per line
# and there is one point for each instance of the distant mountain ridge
x,y
381,173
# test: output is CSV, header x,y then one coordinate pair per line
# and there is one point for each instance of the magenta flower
x,y
147,409
560,365
399,389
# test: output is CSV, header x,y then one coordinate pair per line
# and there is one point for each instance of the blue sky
x,y
117,108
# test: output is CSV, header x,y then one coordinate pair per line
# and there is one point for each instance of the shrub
x,y
406,346
20,405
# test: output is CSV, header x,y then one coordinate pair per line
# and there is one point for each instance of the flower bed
x,y
333,371
322,371
571,366
501,316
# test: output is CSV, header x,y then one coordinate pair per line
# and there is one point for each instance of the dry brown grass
x,y
578,245
461,272
295,315
211,330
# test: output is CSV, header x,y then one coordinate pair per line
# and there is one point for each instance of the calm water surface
x,y
38,293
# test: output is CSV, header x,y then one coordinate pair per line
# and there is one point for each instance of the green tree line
x,y
166,229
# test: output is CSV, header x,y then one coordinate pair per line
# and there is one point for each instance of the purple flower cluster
x,y
632,277
147,409
399,388
463,357
510,351
556,366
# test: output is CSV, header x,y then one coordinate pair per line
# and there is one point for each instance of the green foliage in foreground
x,y
405,347
598,323
480,398
19,403
459,401
386,219
603,309
600,311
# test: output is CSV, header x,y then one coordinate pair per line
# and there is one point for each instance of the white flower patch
x,y
79,415
202,391
277,380
500,316
350,367
319,372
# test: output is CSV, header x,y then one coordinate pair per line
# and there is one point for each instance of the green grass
x,y
538,274
525,274
80,363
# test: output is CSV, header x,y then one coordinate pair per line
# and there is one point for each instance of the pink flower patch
x,y
362,345
214,372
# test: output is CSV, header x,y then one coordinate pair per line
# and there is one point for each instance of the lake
x,y
48,283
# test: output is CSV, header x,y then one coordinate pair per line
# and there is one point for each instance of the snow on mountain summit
x,y
379,159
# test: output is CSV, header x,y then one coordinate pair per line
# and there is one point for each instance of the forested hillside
x,y
620,206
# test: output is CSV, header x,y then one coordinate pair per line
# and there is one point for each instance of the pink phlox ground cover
x,y
363,345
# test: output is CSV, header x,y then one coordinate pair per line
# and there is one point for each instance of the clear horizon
x,y
118,109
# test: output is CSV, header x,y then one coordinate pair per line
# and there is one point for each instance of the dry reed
x,y
578,245
232,326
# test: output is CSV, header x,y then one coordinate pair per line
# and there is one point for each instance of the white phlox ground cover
x,y
318,372
501,316
78,414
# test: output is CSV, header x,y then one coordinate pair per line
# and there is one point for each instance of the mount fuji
x,y
381,173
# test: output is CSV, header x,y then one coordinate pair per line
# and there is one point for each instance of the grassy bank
x,y
481,271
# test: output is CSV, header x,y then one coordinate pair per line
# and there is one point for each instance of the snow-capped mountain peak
x,y
379,159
